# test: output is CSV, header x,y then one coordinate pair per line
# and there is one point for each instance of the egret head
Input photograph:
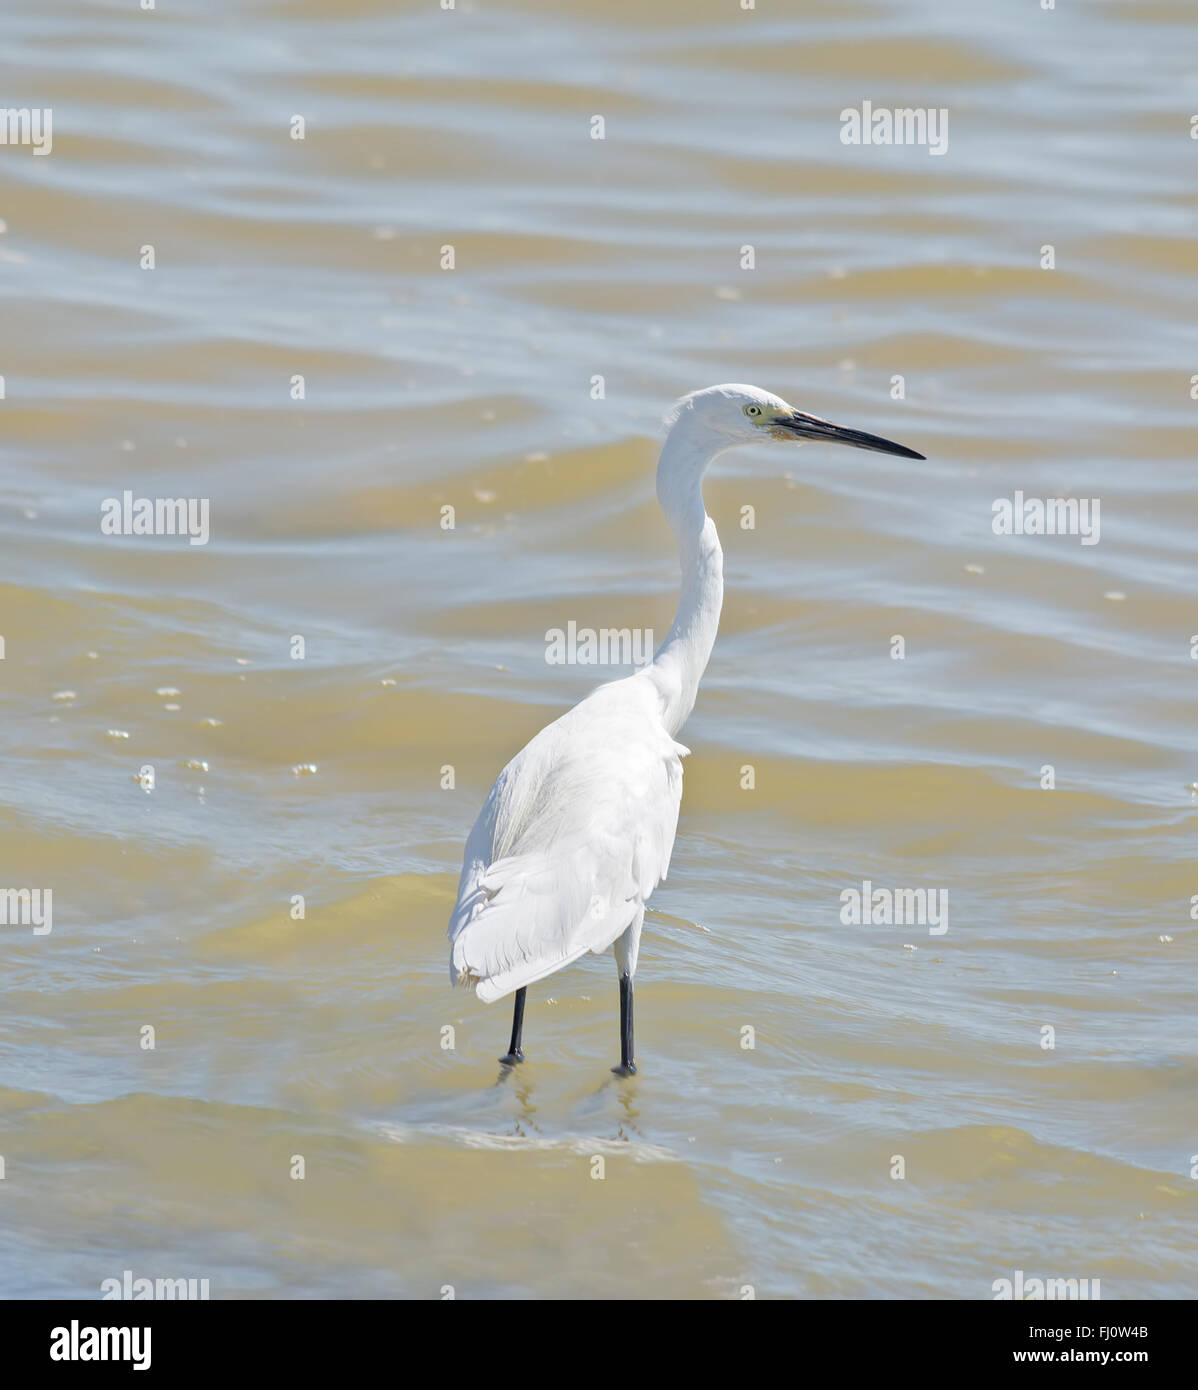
x,y
737,414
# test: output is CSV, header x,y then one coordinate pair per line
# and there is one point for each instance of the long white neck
x,y
680,661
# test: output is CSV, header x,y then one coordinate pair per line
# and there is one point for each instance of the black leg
x,y
514,1052
627,1067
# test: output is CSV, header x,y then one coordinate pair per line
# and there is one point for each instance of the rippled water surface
x,y
576,258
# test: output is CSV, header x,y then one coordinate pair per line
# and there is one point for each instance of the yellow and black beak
x,y
800,426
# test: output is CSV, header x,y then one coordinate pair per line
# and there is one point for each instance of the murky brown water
x,y
578,258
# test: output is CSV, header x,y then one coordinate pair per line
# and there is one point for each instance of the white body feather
x,y
575,835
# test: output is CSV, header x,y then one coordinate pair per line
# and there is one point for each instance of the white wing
x,y
575,835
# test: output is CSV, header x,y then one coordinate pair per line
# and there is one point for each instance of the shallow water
x,y
724,1167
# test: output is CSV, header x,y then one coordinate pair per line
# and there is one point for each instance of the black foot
x,y
513,1058
625,1069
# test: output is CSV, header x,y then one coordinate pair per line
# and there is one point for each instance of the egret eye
x,y
752,410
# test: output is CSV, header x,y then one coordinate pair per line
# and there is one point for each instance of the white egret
x,y
578,828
